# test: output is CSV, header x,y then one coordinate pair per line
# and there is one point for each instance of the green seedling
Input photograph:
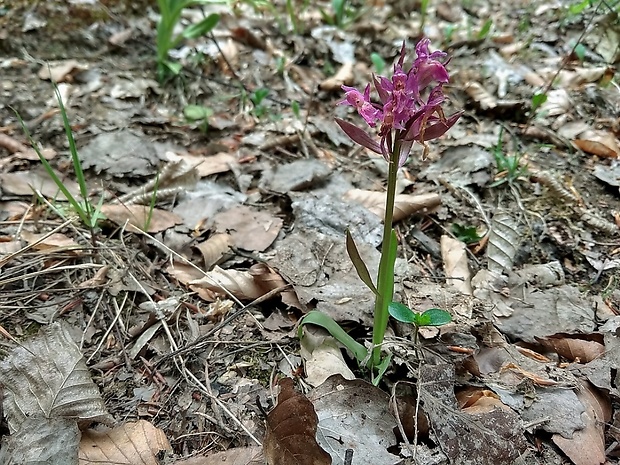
x,y
342,14
485,29
378,62
257,97
198,114
509,167
537,100
423,13
466,234
88,213
170,14
295,109
401,119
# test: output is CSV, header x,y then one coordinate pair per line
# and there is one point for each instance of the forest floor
x,y
159,333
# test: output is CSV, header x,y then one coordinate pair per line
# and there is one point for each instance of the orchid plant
x,y
409,110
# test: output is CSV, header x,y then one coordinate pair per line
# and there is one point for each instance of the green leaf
x,y
378,62
358,263
466,234
486,28
580,51
381,368
259,95
402,313
434,317
197,112
295,109
201,28
321,319
538,100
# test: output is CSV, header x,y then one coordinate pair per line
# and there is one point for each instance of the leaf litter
x,y
183,302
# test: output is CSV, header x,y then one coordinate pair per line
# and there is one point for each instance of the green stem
x,y
385,277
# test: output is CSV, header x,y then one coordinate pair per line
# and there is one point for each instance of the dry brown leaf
x,y
291,430
56,242
405,204
141,217
455,264
250,229
573,348
242,284
135,443
185,274
206,165
23,183
476,400
62,71
344,76
587,446
513,368
215,249
600,143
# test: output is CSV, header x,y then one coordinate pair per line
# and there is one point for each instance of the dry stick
x,y
565,61
109,330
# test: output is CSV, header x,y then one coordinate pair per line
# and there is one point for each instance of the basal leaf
x,y
321,319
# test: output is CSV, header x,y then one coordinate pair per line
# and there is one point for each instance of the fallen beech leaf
x,y
291,431
404,205
47,376
141,217
573,348
132,443
587,445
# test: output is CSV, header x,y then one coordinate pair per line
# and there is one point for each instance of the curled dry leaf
x,y
404,205
454,255
244,285
215,250
291,431
132,443
483,99
62,71
599,143
573,348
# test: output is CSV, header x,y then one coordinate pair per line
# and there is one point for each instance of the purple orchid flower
x,y
403,115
